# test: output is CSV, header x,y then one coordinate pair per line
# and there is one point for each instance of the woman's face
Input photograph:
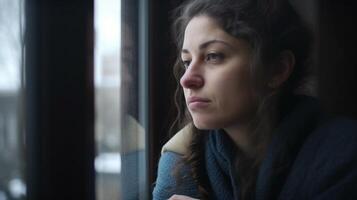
x,y
216,82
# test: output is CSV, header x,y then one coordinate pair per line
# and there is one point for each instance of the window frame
x,y
59,91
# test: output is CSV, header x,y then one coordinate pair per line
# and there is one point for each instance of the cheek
x,y
233,88
185,93
234,99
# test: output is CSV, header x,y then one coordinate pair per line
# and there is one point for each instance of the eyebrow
x,y
206,44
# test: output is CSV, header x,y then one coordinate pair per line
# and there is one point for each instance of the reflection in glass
x,y
107,98
12,184
133,88
120,136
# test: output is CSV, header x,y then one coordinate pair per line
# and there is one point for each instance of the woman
x,y
248,134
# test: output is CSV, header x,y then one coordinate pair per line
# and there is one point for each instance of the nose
x,y
192,79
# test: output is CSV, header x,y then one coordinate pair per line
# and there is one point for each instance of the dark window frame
x,y
161,96
59,100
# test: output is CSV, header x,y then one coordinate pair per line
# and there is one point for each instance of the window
x,y
12,184
120,100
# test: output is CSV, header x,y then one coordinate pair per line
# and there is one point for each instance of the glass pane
x,y
120,135
134,98
12,184
107,98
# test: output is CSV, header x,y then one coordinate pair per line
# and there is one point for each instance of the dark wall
x,y
337,65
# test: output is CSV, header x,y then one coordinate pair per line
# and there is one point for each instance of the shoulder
x,y
166,169
332,140
174,176
167,184
334,169
180,142
326,164
338,138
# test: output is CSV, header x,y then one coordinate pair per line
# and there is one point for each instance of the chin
x,y
204,125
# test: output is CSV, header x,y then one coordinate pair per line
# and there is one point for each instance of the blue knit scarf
x,y
288,137
219,157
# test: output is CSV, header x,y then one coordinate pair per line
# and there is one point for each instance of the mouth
x,y
195,103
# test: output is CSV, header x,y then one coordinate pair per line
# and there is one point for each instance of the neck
x,y
240,136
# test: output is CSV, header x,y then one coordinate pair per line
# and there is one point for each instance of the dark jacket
x,y
311,156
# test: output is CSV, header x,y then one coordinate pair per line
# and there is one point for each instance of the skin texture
x,y
217,70
218,74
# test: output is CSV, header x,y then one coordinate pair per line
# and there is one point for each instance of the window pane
x,y
120,134
107,98
12,184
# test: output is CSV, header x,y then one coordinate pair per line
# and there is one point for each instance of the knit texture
x,y
166,184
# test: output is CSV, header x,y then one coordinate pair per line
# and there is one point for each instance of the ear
x,y
286,64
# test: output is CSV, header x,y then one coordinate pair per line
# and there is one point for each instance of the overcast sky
x,y
10,48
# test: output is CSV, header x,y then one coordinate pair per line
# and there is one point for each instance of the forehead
x,y
203,28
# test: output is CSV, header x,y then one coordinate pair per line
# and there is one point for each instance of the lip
x,y
197,102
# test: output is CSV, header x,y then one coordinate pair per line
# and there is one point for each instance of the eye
x,y
186,63
214,57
